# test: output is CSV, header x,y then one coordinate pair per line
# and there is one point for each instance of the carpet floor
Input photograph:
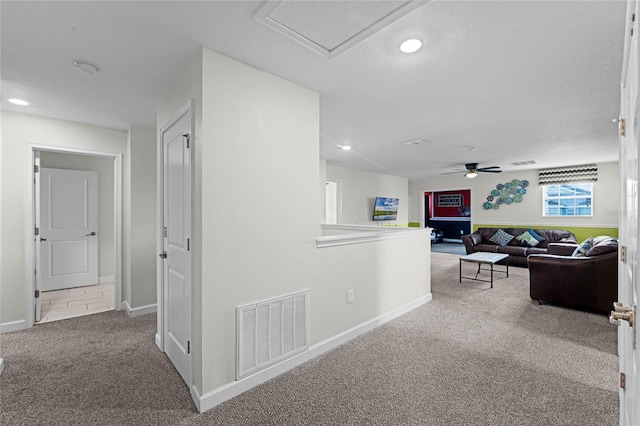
x,y
447,247
472,356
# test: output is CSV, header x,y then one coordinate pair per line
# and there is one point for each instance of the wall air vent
x,y
524,163
271,331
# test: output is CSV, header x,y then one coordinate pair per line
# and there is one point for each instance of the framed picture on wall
x,y
449,200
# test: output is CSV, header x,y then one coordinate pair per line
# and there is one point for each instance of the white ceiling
x,y
495,83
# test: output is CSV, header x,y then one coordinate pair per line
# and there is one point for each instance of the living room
x,y
234,102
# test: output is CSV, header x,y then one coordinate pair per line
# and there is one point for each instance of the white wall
x,y
258,185
261,148
17,131
359,191
140,254
529,211
188,87
104,168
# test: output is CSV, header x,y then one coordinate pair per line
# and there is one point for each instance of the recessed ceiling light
x,y
344,147
18,102
411,45
86,67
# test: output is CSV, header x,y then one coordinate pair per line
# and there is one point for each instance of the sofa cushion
x,y
603,245
527,239
554,236
536,250
501,237
561,249
583,248
513,250
491,248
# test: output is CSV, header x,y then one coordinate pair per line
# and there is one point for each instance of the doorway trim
x,y
29,258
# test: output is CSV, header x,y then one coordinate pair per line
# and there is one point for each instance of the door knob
x,y
93,234
42,239
621,313
163,255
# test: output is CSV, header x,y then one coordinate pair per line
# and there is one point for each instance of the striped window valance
x,y
560,175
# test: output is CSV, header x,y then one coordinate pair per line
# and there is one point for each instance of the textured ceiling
x,y
495,83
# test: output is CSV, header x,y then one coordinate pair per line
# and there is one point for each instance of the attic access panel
x,y
332,27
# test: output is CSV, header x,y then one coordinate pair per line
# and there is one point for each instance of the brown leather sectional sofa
x,y
589,282
517,251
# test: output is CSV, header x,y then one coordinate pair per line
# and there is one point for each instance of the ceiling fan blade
x,y
473,167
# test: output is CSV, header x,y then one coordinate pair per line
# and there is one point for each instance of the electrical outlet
x,y
349,296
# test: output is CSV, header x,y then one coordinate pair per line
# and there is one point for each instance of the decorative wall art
x,y
507,193
449,200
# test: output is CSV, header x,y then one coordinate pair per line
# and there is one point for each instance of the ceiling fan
x,y
473,170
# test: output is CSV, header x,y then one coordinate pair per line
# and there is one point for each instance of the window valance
x,y
560,175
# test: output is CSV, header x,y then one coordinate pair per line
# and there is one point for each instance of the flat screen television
x,y
385,208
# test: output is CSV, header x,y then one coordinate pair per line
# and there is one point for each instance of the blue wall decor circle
x,y
507,193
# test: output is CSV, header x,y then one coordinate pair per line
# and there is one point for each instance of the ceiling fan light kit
x,y
473,170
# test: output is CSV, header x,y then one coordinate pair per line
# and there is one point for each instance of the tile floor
x,y
74,302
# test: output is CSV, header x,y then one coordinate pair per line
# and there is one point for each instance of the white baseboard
x,y
8,327
106,279
1,366
217,396
159,342
142,310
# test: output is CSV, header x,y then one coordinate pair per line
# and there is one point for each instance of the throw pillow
x,y
527,239
583,248
501,237
535,235
603,245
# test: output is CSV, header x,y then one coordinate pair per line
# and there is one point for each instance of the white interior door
x,y
176,244
629,282
68,234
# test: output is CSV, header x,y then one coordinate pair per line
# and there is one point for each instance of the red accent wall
x,y
451,211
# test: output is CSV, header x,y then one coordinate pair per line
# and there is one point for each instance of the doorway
x,y
428,213
333,202
69,236
175,260
448,211
104,293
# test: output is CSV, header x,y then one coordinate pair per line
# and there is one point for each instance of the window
x,y
569,199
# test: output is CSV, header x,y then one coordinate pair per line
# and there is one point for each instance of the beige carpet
x,y
472,356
